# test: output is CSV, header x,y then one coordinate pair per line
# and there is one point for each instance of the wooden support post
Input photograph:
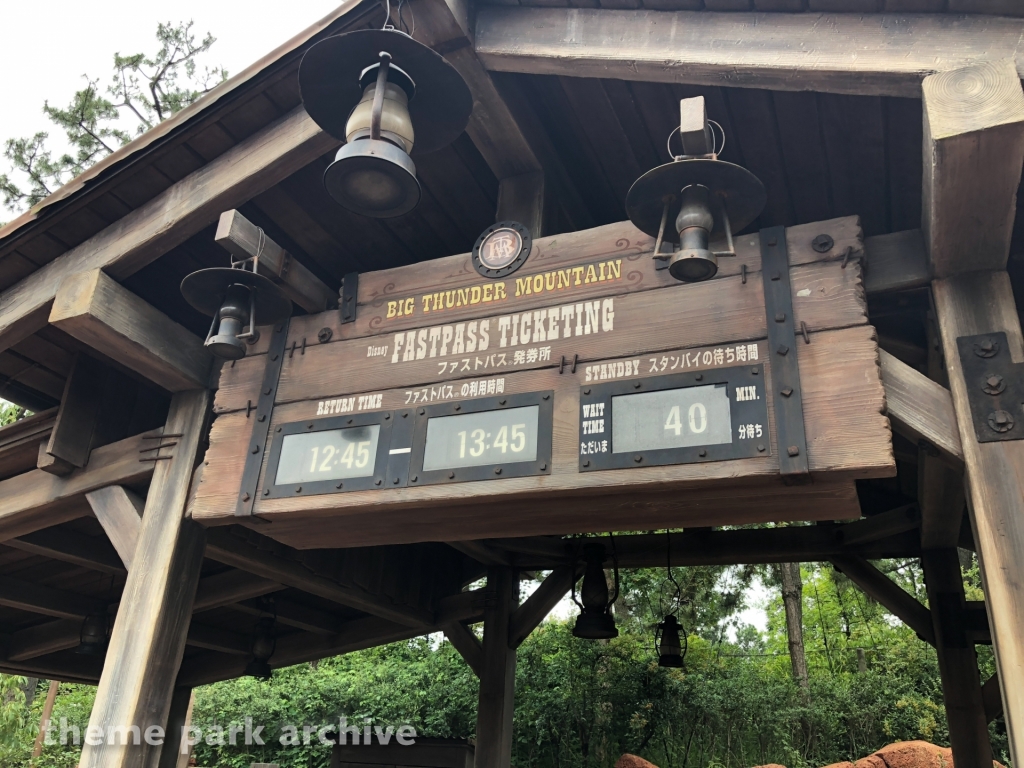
x,y
967,305
993,700
178,721
958,662
109,318
148,639
521,198
498,681
243,240
71,438
120,513
44,720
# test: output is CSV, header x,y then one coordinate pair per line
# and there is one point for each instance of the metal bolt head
x,y
497,470
700,377
586,463
1000,421
324,335
586,391
703,452
422,411
793,450
786,391
387,416
500,402
255,450
451,475
760,447
339,486
994,385
823,243
414,478
378,481
543,467
986,348
266,491
773,241
636,385
299,489
458,407
245,496
754,371
397,480
780,317
638,458
783,350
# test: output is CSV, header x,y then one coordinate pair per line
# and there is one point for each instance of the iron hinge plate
x,y
785,372
995,387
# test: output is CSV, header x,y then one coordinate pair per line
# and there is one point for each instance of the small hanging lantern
x,y
382,93
595,621
239,299
695,196
264,643
671,651
92,639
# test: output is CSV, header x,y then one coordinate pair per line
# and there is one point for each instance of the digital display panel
x,y
482,438
671,418
335,454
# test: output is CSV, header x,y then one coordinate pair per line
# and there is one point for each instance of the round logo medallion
x,y
501,249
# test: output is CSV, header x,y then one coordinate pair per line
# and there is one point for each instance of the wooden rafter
x,y
779,51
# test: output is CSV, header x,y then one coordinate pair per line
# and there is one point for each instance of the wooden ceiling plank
x,y
779,51
47,601
169,219
229,587
98,311
96,554
803,152
973,150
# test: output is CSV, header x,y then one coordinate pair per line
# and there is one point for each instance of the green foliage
x,y
143,91
10,413
581,704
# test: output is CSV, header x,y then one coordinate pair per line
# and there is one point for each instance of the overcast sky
x,y
48,45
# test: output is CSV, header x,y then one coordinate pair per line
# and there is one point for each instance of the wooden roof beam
x,y
244,240
496,130
893,597
973,151
36,499
778,51
169,219
47,601
107,317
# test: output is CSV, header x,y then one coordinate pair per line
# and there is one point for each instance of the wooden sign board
x,y
457,407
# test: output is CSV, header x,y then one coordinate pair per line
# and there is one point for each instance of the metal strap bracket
x,y
785,372
261,426
995,387
349,297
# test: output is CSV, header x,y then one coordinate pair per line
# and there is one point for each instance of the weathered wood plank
x,y
825,296
148,637
231,587
528,616
168,219
920,408
880,587
973,151
71,439
467,644
243,240
778,51
498,674
896,262
37,499
120,513
109,318
47,601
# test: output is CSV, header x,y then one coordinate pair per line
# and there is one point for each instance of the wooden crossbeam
x,y
992,698
183,209
920,409
231,587
876,527
973,151
896,262
881,588
70,441
37,499
47,601
778,51
244,240
216,639
481,552
119,512
467,644
225,548
95,554
294,615
107,317
528,616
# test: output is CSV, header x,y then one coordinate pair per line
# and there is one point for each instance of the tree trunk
x,y
792,597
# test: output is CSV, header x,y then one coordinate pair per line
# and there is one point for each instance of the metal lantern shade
x,y
670,652
382,93
687,201
263,646
235,298
595,621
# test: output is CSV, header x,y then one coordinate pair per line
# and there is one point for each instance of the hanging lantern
x,y
670,651
264,643
695,196
382,93
92,639
595,621
239,299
